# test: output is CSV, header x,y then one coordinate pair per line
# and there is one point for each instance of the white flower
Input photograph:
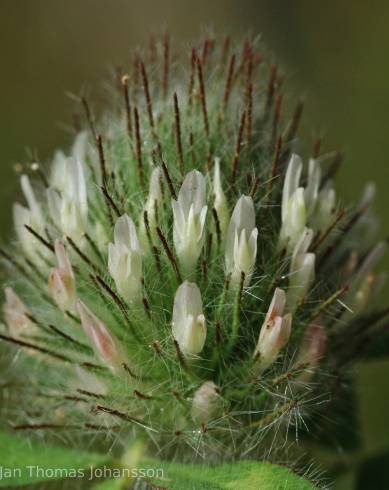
x,y
59,174
15,313
33,217
294,219
207,402
301,206
291,182
302,270
61,280
189,213
301,247
103,342
188,324
68,205
275,331
300,279
323,214
220,200
293,209
154,200
125,259
312,189
241,244
320,204
80,146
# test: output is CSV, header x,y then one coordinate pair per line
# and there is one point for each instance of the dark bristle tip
x,y
141,395
203,100
177,121
168,180
138,142
40,238
238,146
169,254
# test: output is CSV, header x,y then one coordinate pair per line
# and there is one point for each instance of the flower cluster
x,y
182,273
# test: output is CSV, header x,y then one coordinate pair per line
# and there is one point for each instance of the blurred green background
x,y
336,53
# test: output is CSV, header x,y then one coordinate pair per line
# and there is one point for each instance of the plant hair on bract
x,y
182,275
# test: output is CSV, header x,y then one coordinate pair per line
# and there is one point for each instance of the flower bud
x,y
58,171
207,403
301,246
312,349
367,197
31,216
324,212
59,175
188,325
32,202
294,219
103,342
15,313
275,331
69,205
363,235
61,280
154,200
241,244
364,285
125,259
291,182
362,295
80,146
189,212
311,191
220,201
371,260
301,272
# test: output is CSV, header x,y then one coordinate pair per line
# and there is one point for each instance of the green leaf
x,y
26,462
244,475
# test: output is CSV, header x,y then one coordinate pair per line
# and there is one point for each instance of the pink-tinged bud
x,y
207,403
275,331
363,285
103,342
312,349
15,313
61,280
